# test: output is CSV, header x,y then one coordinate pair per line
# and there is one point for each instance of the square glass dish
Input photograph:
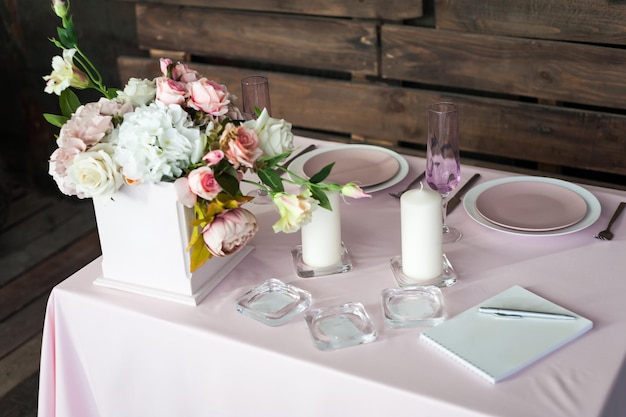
x,y
413,306
274,302
340,326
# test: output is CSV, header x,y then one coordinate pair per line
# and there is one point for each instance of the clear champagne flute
x,y
255,94
443,166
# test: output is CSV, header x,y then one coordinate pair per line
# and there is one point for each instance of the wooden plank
x,y
566,72
22,205
20,364
22,326
589,21
298,41
363,9
506,128
44,275
29,244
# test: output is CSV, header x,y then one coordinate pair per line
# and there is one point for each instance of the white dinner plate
x,y
374,168
591,215
531,206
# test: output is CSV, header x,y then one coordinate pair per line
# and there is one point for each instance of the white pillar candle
x,y
422,235
321,238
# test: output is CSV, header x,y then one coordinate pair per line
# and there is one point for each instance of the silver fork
x,y
606,234
408,187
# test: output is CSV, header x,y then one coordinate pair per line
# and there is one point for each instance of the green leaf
x,y
272,179
67,37
321,196
228,182
272,161
70,34
112,93
55,119
322,174
69,102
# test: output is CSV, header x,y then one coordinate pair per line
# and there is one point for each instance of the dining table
x,y
112,353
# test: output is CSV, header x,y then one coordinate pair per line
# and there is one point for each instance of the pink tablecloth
x,y
110,353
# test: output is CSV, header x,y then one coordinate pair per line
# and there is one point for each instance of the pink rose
x,y
241,145
169,91
203,184
229,232
208,96
184,74
213,157
177,72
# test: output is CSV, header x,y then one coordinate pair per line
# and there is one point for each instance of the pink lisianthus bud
x,y
203,184
229,232
169,91
165,63
213,157
354,191
185,196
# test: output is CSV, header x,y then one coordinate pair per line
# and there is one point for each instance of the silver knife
x,y
456,199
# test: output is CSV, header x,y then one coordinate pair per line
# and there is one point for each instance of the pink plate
x,y
531,206
366,166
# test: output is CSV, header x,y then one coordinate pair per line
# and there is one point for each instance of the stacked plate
x,y
532,206
373,168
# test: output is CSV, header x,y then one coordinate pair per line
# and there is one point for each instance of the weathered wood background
x,y
540,83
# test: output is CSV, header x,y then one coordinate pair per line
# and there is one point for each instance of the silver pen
x,y
511,313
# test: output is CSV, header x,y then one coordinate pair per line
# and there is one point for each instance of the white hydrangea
x,y
156,142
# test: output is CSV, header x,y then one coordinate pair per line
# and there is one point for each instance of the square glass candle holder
x,y
340,326
446,279
306,271
413,306
274,302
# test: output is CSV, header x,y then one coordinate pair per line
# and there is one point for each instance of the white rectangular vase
x,y
144,233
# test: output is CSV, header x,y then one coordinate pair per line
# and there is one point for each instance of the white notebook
x,y
497,347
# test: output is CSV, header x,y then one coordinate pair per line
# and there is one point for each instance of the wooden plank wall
x,y
541,82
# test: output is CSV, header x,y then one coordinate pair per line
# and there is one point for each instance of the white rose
x,y
94,173
138,92
275,135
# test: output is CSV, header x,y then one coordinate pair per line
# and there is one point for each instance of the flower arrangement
x,y
180,127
